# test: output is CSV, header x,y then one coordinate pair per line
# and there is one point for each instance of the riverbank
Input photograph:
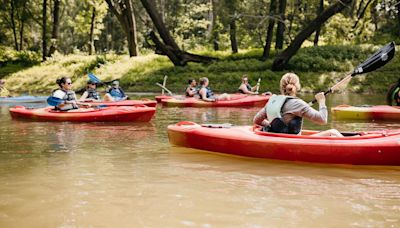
x,y
318,68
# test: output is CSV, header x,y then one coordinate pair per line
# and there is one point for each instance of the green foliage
x,y
25,58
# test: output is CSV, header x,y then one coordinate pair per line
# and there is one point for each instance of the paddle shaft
x,y
163,87
164,83
258,85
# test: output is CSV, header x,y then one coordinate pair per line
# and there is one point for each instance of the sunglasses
x,y
69,83
92,83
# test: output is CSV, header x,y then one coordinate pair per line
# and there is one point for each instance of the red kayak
x,y
361,148
237,100
161,97
148,103
107,114
379,112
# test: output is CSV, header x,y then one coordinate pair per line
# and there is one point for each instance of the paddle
x,y
258,85
163,87
164,83
378,59
55,101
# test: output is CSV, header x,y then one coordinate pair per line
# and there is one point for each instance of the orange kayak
x,y
237,100
379,112
107,114
359,148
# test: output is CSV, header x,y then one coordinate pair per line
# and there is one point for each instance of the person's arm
x,y
84,96
190,92
261,118
204,95
124,97
304,110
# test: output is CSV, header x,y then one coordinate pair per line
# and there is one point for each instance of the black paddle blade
x,y
378,59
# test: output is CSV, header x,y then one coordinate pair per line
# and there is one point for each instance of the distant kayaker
x,y
246,88
91,93
3,91
207,94
393,94
284,113
66,94
115,93
191,90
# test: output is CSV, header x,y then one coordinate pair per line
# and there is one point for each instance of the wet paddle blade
x,y
93,77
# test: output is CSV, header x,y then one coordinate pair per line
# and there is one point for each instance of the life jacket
x,y
93,94
193,89
68,96
274,115
248,86
209,93
116,92
396,96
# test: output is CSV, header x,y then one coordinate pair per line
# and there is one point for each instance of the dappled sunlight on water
x,y
127,174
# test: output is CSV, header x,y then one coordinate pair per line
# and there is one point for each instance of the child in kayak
x,y
115,93
206,94
284,113
91,93
3,91
191,90
246,88
66,94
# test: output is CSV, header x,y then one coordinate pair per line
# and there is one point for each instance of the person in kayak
x,y
91,93
3,91
206,94
115,93
191,90
284,113
66,94
246,88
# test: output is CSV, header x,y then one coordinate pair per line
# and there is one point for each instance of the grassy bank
x,y
318,68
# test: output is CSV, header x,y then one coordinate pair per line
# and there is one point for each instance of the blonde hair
x,y
290,84
203,80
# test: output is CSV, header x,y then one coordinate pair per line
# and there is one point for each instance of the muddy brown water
x,y
128,175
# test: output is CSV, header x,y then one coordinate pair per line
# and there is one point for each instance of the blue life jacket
x,y
209,93
248,88
116,92
93,94
69,96
274,115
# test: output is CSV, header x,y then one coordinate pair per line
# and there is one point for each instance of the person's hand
x,y
320,97
255,93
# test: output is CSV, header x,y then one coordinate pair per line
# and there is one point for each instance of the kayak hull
x,y
369,148
148,103
236,101
23,99
379,112
161,97
108,114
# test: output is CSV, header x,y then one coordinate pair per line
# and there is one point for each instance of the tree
x,y
55,30
91,35
270,30
283,58
44,30
320,10
123,10
281,25
231,7
169,47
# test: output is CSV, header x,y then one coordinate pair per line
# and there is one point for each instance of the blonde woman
x,y
207,94
284,113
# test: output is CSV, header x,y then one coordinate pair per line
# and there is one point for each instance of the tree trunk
x,y
283,58
361,15
124,12
212,30
13,26
44,25
398,17
169,47
56,25
281,25
320,10
232,34
22,19
91,35
270,30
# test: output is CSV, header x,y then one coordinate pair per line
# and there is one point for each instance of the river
x,y
127,175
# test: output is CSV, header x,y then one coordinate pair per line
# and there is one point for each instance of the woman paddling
x,y
206,94
246,88
91,93
284,113
67,95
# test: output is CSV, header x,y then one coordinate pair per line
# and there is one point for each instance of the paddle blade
x,y
93,77
378,59
54,101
